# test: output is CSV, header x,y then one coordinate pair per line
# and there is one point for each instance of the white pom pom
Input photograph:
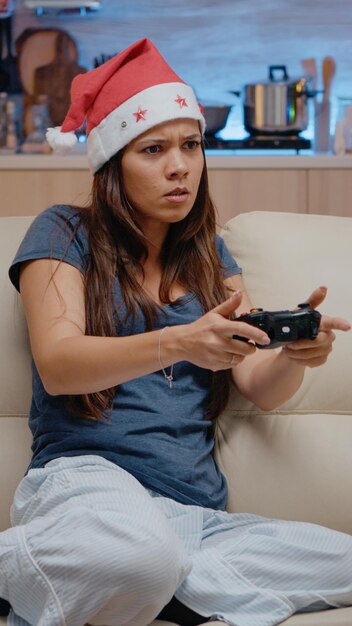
x,y
60,142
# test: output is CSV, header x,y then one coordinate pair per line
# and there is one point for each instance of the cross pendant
x,y
170,379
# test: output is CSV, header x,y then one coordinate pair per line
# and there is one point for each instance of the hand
x,y
314,352
208,342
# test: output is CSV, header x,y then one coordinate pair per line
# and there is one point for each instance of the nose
x,y
176,166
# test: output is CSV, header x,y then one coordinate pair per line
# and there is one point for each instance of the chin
x,y
178,213
181,215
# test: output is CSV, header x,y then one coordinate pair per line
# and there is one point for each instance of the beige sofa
x,y
292,463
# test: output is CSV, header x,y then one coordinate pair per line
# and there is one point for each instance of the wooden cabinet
x,y
235,187
240,191
330,192
28,192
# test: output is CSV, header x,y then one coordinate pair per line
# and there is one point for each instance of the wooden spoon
x,y
310,71
329,69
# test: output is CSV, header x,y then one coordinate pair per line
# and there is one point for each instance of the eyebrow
x,y
159,140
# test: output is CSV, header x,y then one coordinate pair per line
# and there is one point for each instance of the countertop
x,y
216,159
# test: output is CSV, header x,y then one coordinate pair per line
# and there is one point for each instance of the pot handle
x,y
275,68
309,93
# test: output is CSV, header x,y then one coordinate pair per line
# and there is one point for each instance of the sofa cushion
x,y
294,462
15,454
15,372
284,257
333,617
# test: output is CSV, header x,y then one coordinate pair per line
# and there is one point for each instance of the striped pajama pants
x,y
90,545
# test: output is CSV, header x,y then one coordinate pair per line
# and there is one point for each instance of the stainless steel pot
x,y
278,106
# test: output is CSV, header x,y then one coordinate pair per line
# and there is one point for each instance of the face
x,y
161,172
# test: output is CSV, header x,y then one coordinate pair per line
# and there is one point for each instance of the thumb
x,y
317,297
230,305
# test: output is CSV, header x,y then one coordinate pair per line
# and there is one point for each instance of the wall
x,y
219,45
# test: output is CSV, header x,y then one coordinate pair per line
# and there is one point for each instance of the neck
x,y
155,239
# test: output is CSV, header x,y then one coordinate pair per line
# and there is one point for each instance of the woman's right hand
x,y
208,342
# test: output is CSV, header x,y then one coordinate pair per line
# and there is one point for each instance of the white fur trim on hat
x,y
157,104
60,142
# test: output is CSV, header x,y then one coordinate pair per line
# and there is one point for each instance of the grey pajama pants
x,y
90,545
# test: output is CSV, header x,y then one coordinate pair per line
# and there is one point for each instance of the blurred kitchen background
x,y
217,47
281,145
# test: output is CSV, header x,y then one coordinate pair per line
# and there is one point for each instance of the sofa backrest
x,y
294,462
15,371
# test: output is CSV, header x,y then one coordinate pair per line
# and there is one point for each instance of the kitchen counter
x,y
216,159
255,159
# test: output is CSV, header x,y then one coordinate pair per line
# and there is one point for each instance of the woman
x,y
130,305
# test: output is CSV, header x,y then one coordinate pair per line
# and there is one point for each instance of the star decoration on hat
x,y
140,114
181,101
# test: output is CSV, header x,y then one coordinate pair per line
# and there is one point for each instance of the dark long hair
x,y
118,248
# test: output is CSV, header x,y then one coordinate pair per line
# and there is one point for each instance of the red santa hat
x,y
121,99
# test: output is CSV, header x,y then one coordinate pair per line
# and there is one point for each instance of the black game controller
x,y
283,326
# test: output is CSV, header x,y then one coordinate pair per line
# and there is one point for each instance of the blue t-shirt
x,y
157,434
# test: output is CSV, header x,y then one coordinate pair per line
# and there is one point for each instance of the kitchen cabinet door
x,y
28,192
240,191
330,192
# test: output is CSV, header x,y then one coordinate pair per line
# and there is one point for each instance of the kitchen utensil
x,y
278,105
310,70
215,117
343,130
329,69
322,118
55,78
34,48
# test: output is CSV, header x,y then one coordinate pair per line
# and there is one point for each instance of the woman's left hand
x,y
314,352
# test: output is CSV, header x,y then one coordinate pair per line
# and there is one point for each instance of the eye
x,y
191,145
154,149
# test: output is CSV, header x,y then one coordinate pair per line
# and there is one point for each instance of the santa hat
x,y
121,99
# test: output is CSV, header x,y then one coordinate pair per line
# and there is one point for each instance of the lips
x,y
179,194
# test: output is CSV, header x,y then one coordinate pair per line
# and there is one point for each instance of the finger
x,y
238,359
308,353
324,338
300,351
334,323
314,349
247,331
230,305
243,348
317,297
313,361
234,359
